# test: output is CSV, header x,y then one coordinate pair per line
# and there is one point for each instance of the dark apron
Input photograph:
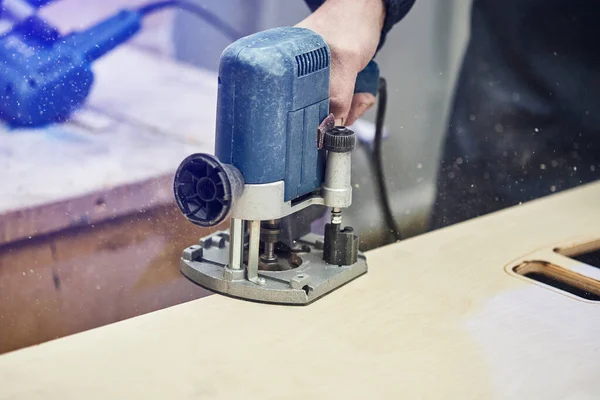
x,y
526,115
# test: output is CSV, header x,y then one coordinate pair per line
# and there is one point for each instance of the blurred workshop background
x,y
89,234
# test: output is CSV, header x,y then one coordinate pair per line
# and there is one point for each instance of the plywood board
x,y
436,317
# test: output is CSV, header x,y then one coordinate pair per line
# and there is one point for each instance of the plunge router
x,y
279,161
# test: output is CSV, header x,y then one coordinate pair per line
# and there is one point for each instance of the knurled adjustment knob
x,y
339,140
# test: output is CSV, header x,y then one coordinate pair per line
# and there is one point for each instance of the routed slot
x,y
591,258
587,253
561,279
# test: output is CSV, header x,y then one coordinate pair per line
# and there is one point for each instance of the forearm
x,y
395,11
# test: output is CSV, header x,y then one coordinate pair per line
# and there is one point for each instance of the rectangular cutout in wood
x,y
560,279
587,253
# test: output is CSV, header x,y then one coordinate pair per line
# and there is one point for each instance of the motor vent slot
x,y
312,61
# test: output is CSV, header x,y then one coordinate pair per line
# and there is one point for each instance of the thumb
x,y
361,103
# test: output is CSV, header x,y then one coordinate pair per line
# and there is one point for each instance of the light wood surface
x,y
436,317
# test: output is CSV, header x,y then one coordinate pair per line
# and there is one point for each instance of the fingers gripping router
x,y
277,153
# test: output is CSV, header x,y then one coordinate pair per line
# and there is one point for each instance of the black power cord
x,y
377,162
198,10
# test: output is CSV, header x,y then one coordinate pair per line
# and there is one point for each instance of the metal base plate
x,y
206,265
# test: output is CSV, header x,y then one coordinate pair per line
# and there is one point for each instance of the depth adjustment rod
x,y
340,245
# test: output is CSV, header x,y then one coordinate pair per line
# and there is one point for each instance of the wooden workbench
x,y
439,316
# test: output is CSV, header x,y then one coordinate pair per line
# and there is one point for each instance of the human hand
x,y
352,29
